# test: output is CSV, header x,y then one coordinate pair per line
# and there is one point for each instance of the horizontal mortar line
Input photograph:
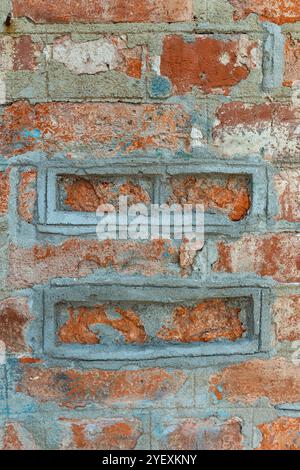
x,y
195,357
131,28
220,284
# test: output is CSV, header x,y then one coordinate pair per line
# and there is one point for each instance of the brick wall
x,y
128,344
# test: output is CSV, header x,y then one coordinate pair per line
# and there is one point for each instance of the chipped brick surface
x,y
206,322
229,195
281,434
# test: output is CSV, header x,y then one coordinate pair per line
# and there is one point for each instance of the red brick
x,y
14,318
100,434
104,128
19,53
208,321
213,65
271,129
276,379
276,11
16,437
281,434
286,311
225,194
4,192
104,11
78,258
77,329
74,388
203,434
27,195
274,255
287,184
292,61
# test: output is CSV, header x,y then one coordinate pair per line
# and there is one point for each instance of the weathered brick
x,y
101,55
281,434
276,11
78,258
286,311
102,128
78,327
19,53
208,63
4,192
104,11
208,321
14,316
100,434
292,61
270,129
88,193
276,379
27,194
203,434
74,388
274,255
227,194
287,185
14,436
142,323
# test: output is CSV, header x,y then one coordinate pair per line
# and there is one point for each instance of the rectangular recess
x,y
151,297
54,217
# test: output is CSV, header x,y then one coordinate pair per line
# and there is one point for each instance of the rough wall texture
x,y
125,344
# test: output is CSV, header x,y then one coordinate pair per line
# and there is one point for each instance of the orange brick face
x,y
104,11
205,63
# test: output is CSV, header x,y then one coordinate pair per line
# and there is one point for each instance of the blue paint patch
x,y
160,87
33,134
